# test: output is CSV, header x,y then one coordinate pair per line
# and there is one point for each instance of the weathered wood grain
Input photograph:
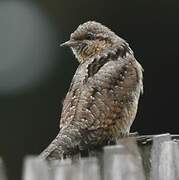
x,y
123,161
148,157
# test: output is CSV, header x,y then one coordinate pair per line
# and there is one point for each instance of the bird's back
x,y
102,100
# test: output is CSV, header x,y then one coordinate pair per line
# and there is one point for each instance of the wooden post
x,y
168,161
63,170
123,161
35,169
155,154
2,170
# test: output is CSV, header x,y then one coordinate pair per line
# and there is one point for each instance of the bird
x,y
102,101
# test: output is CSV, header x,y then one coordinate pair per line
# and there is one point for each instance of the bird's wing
x,y
115,87
72,98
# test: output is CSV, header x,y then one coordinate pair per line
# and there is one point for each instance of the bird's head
x,y
89,39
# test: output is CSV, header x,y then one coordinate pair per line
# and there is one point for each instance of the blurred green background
x,y
35,72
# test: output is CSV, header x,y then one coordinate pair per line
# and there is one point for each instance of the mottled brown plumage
x,y
102,100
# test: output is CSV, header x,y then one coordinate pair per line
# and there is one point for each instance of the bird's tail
x,y
65,143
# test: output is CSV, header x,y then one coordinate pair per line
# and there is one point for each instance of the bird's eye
x,y
90,36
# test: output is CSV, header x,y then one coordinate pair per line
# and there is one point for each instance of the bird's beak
x,y
70,43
